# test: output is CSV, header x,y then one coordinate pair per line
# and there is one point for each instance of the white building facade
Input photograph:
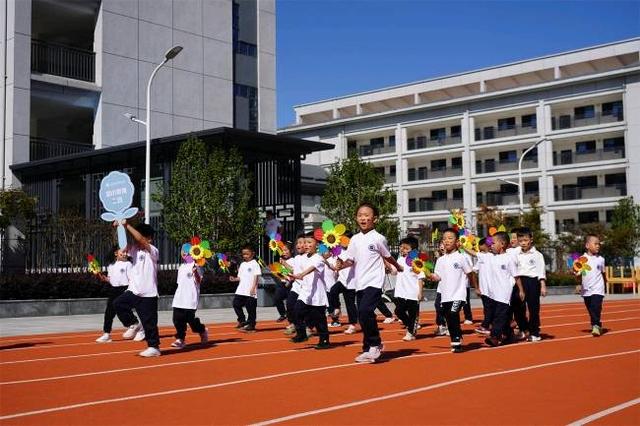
x,y
455,141
72,69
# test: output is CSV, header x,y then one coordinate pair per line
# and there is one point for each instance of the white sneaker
x,y
365,357
388,320
150,352
468,322
310,332
408,337
179,343
442,330
204,336
105,338
533,338
350,330
418,327
375,352
139,336
131,331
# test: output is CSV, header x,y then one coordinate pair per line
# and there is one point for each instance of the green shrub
x,y
561,279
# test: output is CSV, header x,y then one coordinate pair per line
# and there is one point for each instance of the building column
x,y
548,223
342,148
466,127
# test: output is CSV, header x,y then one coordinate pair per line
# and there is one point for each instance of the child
x,y
143,288
408,291
282,287
292,298
247,291
330,281
118,272
593,283
441,324
532,273
367,252
185,303
312,301
483,269
347,286
503,269
450,272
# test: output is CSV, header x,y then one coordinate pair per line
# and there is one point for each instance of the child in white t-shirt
x,y
330,281
367,252
118,277
142,293
295,265
451,272
408,291
593,282
185,303
312,301
247,291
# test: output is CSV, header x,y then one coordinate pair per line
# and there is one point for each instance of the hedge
x,y
77,285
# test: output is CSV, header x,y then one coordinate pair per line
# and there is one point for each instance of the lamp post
x,y
171,53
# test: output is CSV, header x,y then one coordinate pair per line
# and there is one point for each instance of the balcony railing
x,y
496,166
422,142
569,193
572,157
389,178
41,148
366,150
430,205
500,199
435,174
63,61
570,121
494,132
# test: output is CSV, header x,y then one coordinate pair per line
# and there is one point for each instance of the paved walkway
x,y
70,323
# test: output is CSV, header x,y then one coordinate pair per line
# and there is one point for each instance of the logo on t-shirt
x,y
140,257
457,266
532,262
503,267
122,271
372,247
189,275
248,269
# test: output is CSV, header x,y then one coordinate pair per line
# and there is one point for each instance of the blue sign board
x,y
116,195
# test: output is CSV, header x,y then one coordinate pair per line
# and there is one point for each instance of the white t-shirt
x,y
592,281
367,252
407,285
346,277
119,273
504,269
470,260
313,290
271,227
531,264
188,291
483,268
296,264
330,276
144,273
452,269
247,273
513,250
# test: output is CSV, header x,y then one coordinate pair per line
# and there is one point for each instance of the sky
x,y
330,48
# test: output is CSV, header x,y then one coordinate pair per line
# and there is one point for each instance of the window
x,y
487,133
507,123
479,198
441,226
421,142
423,204
422,173
456,131
477,135
609,216
456,163
411,174
439,195
584,112
392,171
586,147
352,148
412,205
437,134
529,120
588,217
508,156
615,179
489,165
587,181
532,155
244,48
245,91
392,140
531,187
478,166
437,165
411,144
376,142
507,188
613,108
568,224
379,170
613,144
457,194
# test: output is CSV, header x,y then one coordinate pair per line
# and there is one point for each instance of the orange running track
x,y
262,378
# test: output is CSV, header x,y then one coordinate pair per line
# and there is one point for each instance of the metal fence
x,y
63,61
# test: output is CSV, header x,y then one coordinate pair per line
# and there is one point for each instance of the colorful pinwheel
x,y
275,243
223,262
197,251
435,235
581,266
492,231
467,239
280,271
93,264
456,219
331,237
572,258
419,262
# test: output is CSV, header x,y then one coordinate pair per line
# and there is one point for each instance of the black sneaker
x,y
248,328
323,344
281,318
299,339
456,349
241,324
492,341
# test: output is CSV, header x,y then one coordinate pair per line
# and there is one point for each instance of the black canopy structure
x,y
73,181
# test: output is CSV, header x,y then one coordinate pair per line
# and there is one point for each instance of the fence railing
x,y
437,173
429,205
41,148
63,61
421,142
494,132
568,121
488,166
572,157
568,193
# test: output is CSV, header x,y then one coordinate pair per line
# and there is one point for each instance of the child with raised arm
x,y
143,288
294,292
312,302
408,291
283,286
367,252
593,282
533,275
247,290
185,302
482,268
118,273
451,272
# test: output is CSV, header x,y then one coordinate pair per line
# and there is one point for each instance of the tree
x,y
351,182
623,238
15,205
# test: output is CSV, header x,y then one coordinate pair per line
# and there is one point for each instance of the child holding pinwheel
x,y
185,300
590,270
247,291
283,285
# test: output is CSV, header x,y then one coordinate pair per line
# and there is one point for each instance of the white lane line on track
x,y
23,361
604,413
439,385
289,373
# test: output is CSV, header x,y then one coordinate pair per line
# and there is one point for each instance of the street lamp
x,y
171,53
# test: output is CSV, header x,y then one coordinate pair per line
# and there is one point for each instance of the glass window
x,y
457,194
529,120
439,195
411,174
376,142
487,133
244,48
615,179
586,147
411,144
588,217
438,164
507,123
609,214
422,173
508,156
437,134
531,187
587,181
456,131
489,165
479,198
392,171
456,163
612,108
392,140
421,142
613,144
532,155
412,205
583,112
